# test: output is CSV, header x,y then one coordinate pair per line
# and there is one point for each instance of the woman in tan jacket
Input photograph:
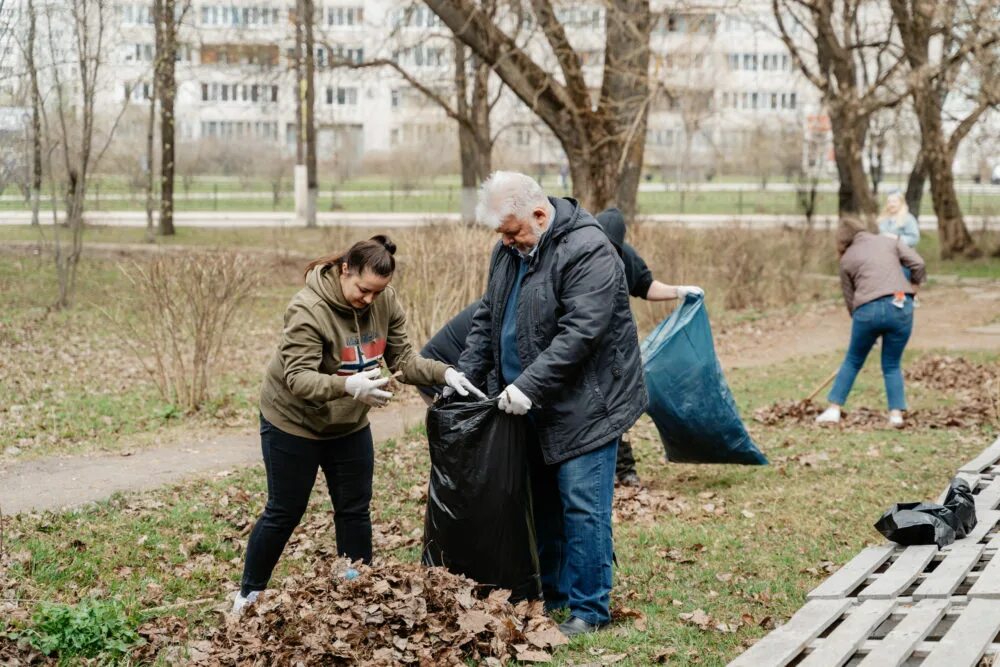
x,y
880,300
319,386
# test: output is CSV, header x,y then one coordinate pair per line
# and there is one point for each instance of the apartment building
x,y
722,79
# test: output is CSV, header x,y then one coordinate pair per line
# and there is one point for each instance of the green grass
x,y
442,196
73,383
746,565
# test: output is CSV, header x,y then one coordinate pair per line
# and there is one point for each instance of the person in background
x,y
555,338
641,285
318,388
897,222
449,342
880,301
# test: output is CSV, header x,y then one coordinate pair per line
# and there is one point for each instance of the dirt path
x,y
58,482
950,317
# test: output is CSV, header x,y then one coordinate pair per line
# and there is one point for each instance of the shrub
x,y
183,309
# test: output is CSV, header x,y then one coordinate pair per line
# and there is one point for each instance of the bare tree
x,y
75,111
168,16
850,59
967,33
305,78
470,103
603,134
28,50
151,125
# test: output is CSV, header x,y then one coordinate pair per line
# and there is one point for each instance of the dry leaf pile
x,y
973,390
391,614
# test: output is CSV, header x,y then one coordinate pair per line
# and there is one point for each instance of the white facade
x,y
723,79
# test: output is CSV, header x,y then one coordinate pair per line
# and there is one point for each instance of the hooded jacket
x,y
637,274
576,338
325,341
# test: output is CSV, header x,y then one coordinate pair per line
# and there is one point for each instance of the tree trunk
x,y
312,182
854,195
604,142
150,172
625,95
475,146
36,117
915,185
167,95
953,236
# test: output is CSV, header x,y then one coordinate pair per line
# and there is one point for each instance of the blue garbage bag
x,y
689,400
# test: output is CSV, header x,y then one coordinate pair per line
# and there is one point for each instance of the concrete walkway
x,y
238,219
57,483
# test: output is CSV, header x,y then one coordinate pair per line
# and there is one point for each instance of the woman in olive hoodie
x,y
322,380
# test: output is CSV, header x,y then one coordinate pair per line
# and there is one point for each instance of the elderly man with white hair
x,y
555,338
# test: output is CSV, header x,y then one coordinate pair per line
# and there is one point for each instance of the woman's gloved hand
x,y
684,290
366,388
457,382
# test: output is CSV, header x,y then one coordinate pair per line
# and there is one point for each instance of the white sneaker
x,y
895,419
241,603
829,416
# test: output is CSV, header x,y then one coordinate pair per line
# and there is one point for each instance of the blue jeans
x,y
875,319
572,510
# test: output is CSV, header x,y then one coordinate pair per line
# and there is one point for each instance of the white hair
x,y
508,193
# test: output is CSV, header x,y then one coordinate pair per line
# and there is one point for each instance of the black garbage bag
x,y
962,503
478,520
931,523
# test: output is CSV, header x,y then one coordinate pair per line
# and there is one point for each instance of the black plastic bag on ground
x,y
962,503
931,523
478,520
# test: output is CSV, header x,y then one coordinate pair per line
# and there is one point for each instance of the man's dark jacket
x,y
575,336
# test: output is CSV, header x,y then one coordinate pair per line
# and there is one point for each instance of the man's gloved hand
x,y
513,401
457,382
365,387
684,290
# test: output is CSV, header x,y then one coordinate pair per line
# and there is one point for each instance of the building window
x,y
345,16
523,136
734,61
394,98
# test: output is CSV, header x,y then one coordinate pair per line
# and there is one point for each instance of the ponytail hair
x,y
376,254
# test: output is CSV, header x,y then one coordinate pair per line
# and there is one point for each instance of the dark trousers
x,y
626,459
291,463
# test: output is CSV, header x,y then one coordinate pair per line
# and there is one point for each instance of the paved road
x,y
280,219
444,191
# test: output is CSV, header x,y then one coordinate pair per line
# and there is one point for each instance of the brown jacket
x,y
872,268
324,342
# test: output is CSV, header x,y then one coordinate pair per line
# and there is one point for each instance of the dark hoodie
x,y
637,274
576,338
325,341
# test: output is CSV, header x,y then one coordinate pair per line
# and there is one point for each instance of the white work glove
x,y
364,387
513,401
457,382
684,290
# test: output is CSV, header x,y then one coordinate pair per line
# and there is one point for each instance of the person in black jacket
x,y
448,343
555,338
642,286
